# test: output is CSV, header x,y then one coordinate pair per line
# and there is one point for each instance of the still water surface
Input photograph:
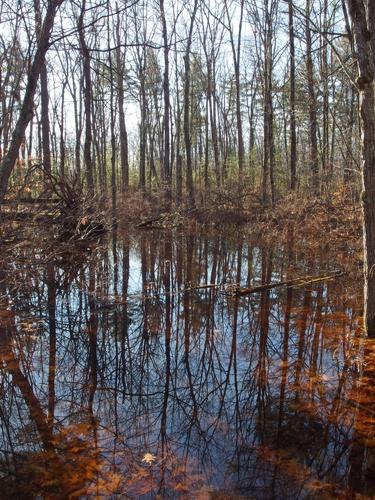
x,y
131,372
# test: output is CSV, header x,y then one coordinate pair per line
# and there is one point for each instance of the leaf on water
x,y
149,458
181,487
6,313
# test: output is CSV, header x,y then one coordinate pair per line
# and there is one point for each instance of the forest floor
x,y
311,222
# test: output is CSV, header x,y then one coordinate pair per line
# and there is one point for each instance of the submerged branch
x,y
302,281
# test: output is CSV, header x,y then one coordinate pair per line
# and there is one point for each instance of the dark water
x,y
124,375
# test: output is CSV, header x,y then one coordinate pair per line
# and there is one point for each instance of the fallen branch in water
x,y
302,281
168,218
148,222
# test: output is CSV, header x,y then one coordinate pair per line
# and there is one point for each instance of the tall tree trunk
x,y
166,123
292,112
236,53
178,138
268,139
44,101
213,124
189,167
113,120
87,93
143,125
325,80
124,155
313,126
62,132
363,28
77,103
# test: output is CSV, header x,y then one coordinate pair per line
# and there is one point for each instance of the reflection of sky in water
x,y
237,382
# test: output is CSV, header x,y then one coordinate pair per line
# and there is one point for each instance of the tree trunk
x,y
293,136
364,45
143,125
166,94
187,138
87,91
124,155
44,101
314,167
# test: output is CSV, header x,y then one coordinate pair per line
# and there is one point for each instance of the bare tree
x,y
189,167
87,97
167,175
26,112
292,112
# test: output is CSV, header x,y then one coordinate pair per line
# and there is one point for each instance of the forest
x,y
187,236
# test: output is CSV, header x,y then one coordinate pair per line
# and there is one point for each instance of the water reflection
x,y
130,374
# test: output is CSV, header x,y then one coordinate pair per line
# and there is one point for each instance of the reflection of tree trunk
x,y
261,369
362,450
12,366
302,337
92,330
115,261
187,323
264,311
51,286
234,339
168,330
284,359
211,299
284,367
146,302
317,333
125,345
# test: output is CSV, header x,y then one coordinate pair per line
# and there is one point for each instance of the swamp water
x,y
125,374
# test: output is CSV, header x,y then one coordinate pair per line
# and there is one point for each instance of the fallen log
x,y
31,201
301,281
165,216
148,222
27,216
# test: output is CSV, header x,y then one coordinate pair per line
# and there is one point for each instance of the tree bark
x,y
314,167
292,112
87,91
166,93
44,101
124,155
187,138
363,30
